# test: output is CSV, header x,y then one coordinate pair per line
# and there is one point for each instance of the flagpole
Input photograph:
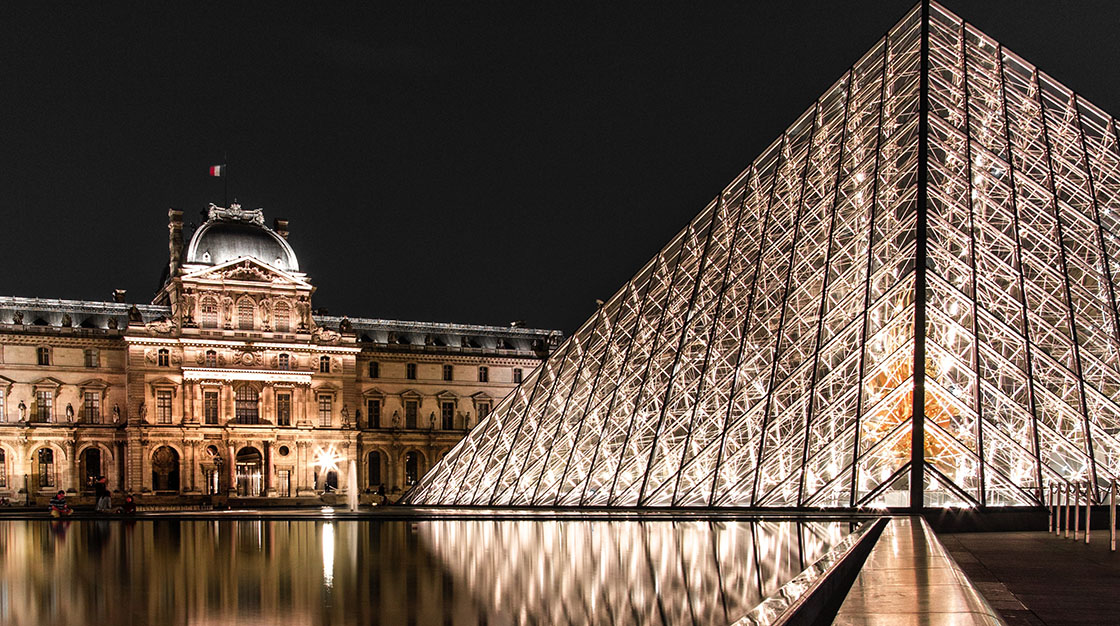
x,y
225,192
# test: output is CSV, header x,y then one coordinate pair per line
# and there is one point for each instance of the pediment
x,y
373,392
248,269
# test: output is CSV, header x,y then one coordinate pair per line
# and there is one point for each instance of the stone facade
x,y
229,384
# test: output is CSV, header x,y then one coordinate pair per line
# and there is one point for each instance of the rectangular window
x,y
43,355
284,483
44,402
517,375
483,374
91,407
411,409
373,413
483,411
325,410
410,371
3,407
210,407
325,364
283,409
163,358
447,415
93,358
374,369
163,407
448,372
3,470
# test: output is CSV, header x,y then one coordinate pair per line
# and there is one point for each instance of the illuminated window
x,y
210,407
92,358
373,412
325,402
282,317
448,372
411,468
245,314
209,308
211,358
447,415
46,467
44,404
91,407
374,369
325,364
163,358
410,371
483,374
284,409
517,375
246,405
43,355
411,409
163,406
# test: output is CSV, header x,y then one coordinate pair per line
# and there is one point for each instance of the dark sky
x,y
446,163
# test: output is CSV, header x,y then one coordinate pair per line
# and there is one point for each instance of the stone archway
x,y
250,472
165,469
91,463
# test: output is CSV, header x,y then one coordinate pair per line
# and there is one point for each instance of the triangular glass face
x,y
766,356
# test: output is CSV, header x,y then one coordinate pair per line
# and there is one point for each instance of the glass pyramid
x,y
767,356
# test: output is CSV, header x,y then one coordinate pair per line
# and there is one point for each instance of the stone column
x,y
72,469
269,470
232,470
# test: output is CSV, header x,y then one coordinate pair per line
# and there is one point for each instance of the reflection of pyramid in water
x,y
766,356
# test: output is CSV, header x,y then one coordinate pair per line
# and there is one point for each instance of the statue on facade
x,y
113,323
396,419
22,411
432,421
116,413
134,316
17,317
358,417
69,412
67,320
345,414
142,411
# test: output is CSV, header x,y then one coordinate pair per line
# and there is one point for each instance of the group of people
x,y
104,501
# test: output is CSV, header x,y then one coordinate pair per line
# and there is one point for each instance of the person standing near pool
x,y
101,491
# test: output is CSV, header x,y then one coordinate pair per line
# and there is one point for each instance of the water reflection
x,y
432,572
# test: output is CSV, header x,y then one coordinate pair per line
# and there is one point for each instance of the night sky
x,y
443,163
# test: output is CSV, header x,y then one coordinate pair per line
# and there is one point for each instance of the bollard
x,y
1112,515
1065,509
1051,510
1076,510
1088,509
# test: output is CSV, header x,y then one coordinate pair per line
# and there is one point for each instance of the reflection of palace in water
x,y
395,572
229,383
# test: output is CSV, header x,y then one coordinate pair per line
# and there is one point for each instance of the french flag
x,y
217,170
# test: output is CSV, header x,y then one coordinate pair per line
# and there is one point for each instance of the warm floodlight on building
x,y
327,460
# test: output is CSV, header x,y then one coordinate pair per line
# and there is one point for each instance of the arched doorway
x,y
90,462
165,469
43,476
250,474
412,462
373,470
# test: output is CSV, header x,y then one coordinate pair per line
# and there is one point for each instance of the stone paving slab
x,y
909,578
1036,578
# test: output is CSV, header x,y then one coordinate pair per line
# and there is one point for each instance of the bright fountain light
x,y
327,459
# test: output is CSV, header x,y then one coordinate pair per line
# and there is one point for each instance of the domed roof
x,y
233,233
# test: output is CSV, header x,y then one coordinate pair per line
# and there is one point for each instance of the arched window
x,y
245,314
165,469
90,466
211,358
245,405
46,467
373,468
325,364
3,469
284,362
209,311
282,316
163,358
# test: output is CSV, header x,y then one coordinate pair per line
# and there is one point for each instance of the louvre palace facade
x,y
229,385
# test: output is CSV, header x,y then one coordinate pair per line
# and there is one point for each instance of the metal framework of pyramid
x,y
766,357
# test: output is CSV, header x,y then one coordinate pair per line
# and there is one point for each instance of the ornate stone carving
x,y
248,358
162,326
236,214
113,323
326,335
134,316
246,271
66,320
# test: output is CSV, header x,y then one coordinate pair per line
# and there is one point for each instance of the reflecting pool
x,y
267,572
